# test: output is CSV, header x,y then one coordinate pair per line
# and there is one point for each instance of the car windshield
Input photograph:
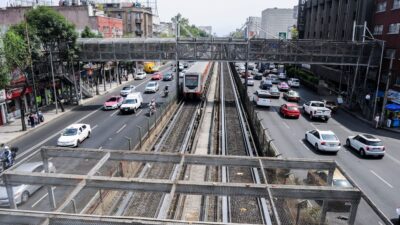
x,y
70,132
295,80
374,143
329,137
126,88
293,93
318,104
292,108
263,94
129,101
274,89
112,99
151,84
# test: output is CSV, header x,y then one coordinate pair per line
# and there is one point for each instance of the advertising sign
x,y
282,35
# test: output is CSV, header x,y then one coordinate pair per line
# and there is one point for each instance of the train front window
x,y
191,81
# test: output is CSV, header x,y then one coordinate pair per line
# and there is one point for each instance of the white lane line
x,y
52,136
100,147
116,111
380,178
120,129
94,127
304,145
393,158
284,123
40,199
138,112
379,222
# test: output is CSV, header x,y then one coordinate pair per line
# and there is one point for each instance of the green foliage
x,y
15,51
51,26
34,40
87,33
186,29
303,75
294,33
4,72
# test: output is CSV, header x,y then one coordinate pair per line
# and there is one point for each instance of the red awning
x,y
15,93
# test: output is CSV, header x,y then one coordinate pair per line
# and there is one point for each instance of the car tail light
x,y
323,143
383,148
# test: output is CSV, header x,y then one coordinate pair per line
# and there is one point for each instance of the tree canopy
x,y
187,29
87,33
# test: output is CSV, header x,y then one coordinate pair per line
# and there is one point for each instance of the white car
x,y
151,87
127,90
317,109
74,134
140,75
22,192
366,144
262,98
181,74
294,82
282,76
250,81
323,140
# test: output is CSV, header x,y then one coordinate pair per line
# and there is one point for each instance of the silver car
x,y
22,192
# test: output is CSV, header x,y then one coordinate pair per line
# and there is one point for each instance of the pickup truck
x,y
317,109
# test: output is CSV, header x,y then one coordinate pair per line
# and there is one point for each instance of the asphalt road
x,y
378,178
109,129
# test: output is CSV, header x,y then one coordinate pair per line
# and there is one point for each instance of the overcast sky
x,y
223,15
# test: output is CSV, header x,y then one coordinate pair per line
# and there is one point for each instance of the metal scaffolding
x,y
323,52
91,180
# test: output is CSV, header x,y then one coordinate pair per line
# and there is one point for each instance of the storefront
x,y
392,109
3,109
13,104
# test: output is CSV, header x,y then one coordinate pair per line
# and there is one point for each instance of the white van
x,y
131,103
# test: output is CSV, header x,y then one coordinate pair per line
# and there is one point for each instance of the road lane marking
x,y
94,127
379,222
120,129
52,136
40,199
116,111
380,178
138,113
393,158
100,147
305,146
284,123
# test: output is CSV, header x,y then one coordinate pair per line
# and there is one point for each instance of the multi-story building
x,y
277,23
137,21
80,15
331,19
253,27
386,26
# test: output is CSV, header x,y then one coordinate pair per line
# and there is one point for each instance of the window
x,y
396,4
378,29
394,28
381,7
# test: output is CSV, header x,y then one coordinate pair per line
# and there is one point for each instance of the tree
x,y
87,33
188,30
4,72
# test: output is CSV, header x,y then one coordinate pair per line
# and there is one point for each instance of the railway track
x,y
236,141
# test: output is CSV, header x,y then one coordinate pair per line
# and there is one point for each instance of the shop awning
x,y
393,107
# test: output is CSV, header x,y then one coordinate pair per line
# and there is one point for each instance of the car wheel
x,y
24,196
362,152
326,120
380,157
305,137
348,143
77,143
311,116
88,135
134,110
316,147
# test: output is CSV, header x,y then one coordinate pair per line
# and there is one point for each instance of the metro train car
x,y
194,80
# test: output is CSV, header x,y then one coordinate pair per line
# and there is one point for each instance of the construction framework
x,y
322,52
90,180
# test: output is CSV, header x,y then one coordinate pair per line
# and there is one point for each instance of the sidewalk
x,y
362,118
12,131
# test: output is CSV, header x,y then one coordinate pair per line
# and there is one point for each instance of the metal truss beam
x,y
323,52
184,187
207,160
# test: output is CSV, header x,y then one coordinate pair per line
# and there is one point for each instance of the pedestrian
x,y
377,119
31,120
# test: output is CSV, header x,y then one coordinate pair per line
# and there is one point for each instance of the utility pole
x,y
379,80
392,57
54,83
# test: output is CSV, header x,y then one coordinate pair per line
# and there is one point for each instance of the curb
x,y
367,121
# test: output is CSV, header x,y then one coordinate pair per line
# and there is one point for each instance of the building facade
x,y
277,23
137,21
386,26
253,27
332,19
80,15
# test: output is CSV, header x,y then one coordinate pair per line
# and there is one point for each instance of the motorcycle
x,y
166,91
152,109
5,163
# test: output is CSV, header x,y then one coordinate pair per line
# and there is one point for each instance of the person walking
x,y
31,119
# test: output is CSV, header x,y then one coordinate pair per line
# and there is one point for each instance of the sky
x,y
223,15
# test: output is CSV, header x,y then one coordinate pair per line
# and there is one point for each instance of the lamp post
x,y
53,80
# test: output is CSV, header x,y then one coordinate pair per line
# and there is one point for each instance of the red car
x,y
113,103
156,76
290,110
